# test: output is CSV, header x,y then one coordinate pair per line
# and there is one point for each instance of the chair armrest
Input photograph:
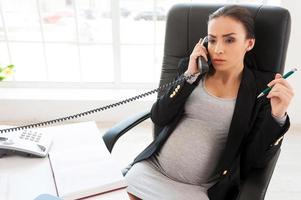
x,y
256,184
113,134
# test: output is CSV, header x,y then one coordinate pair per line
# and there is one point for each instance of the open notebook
x,y
83,166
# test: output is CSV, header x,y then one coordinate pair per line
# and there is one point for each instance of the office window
x,y
100,41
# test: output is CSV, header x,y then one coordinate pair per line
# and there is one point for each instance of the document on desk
x,y
81,163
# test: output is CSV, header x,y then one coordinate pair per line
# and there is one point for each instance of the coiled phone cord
x,y
89,112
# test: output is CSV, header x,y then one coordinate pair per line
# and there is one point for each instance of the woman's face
x,y
227,43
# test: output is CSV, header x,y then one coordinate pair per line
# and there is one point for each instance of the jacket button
x,y
172,95
225,172
178,86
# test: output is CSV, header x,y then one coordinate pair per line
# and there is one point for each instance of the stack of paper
x,y
83,166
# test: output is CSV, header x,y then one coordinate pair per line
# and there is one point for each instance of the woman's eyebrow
x,y
225,35
229,34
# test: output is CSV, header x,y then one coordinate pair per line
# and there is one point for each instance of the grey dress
x,y
184,167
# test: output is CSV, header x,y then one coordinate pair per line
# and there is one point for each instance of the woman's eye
x,y
211,41
230,40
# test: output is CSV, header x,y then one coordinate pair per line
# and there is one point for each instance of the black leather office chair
x,y
186,23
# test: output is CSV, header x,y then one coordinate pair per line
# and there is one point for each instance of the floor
x,y
285,181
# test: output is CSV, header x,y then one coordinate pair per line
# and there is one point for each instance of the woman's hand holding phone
x,y
199,50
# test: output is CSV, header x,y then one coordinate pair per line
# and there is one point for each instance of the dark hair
x,y
238,13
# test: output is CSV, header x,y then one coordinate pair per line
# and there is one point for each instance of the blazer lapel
x,y
242,114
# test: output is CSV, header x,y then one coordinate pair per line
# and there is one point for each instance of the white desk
x,y
75,147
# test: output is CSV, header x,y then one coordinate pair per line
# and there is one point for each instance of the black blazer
x,y
254,135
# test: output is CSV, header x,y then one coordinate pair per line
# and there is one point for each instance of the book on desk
x,y
78,166
84,167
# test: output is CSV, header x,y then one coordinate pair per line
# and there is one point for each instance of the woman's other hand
x,y
280,95
199,50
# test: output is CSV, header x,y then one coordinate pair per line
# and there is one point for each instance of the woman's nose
x,y
219,48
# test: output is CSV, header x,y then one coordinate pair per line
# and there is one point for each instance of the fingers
x,y
199,50
203,52
280,95
283,96
279,80
284,93
278,75
282,88
200,41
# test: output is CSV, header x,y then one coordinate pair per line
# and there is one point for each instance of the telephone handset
x,y
202,64
33,143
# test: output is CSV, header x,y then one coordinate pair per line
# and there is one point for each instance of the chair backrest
x,y
186,23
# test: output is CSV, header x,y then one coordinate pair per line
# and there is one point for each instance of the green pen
x,y
268,89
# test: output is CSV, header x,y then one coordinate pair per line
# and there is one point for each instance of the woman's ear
x,y
251,43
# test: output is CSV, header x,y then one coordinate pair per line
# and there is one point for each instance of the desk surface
x,y
27,177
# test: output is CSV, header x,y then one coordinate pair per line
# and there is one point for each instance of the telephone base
x,y
4,152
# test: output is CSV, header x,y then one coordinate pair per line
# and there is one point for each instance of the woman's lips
x,y
218,61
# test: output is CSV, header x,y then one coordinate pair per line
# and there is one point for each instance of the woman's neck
x,y
227,77
223,84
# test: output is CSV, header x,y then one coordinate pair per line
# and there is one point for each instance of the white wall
x,y
294,58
